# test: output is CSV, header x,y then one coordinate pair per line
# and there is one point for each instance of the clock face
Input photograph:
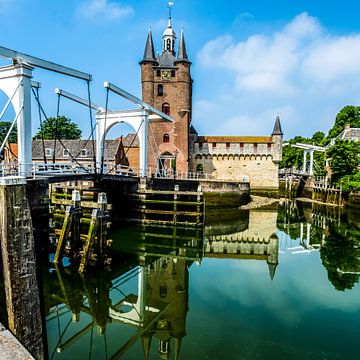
x,y
165,75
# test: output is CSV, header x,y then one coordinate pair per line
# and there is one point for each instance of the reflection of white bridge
x,y
305,246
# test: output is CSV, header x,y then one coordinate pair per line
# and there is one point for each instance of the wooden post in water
x,y
19,266
176,189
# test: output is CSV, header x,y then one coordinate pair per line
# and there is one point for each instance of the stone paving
x,y
10,347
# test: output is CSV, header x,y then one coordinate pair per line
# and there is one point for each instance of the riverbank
x,y
258,202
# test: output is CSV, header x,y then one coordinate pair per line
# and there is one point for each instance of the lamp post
x,y
176,152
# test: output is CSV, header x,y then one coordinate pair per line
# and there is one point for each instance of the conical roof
x,y
277,127
182,53
149,53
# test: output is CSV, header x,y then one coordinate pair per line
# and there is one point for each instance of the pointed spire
x,y
177,345
272,269
149,53
277,127
182,53
146,343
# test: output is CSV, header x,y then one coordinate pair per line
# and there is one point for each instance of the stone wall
x,y
259,170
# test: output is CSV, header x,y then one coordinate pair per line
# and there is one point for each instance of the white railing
x,y
63,168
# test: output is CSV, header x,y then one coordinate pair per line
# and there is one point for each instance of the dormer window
x,y
160,90
165,108
49,152
65,153
83,152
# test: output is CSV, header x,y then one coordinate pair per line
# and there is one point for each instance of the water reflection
x,y
140,309
147,299
253,241
329,230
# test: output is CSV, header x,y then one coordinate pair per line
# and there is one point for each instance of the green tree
x,y
344,158
59,128
292,157
4,128
349,114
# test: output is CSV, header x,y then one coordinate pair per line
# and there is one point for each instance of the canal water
x,y
270,283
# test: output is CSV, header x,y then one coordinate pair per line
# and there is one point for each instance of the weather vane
x,y
170,5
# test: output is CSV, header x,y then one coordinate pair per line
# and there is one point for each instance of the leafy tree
x,y
59,128
4,128
292,157
349,114
344,158
318,138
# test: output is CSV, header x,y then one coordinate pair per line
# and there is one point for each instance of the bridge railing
x,y
63,168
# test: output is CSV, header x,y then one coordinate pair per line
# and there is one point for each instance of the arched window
x,y
200,168
166,138
165,108
168,44
172,73
160,90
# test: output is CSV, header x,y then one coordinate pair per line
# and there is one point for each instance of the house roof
x,y
350,134
235,139
74,148
129,141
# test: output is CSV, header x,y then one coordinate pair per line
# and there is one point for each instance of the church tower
x,y
167,85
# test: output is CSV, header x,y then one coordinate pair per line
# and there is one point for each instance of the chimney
x,y
347,126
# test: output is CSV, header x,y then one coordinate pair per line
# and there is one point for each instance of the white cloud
x,y
105,10
302,66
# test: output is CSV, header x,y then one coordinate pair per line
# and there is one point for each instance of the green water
x,y
274,284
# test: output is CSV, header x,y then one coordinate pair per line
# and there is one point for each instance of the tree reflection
x,y
341,256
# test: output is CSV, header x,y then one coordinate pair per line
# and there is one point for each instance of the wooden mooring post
x,y
86,249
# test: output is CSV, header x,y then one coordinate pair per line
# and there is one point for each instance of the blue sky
x,y
252,60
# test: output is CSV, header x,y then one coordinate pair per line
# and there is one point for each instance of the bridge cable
x,y
41,125
60,141
92,125
91,340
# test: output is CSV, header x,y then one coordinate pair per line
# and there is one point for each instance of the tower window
x,y
227,145
166,138
158,73
241,145
214,145
172,73
165,108
255,146
160,91
200,145
269,145
168,44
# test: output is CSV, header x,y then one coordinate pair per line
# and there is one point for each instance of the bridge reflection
x,y
330,230
147,294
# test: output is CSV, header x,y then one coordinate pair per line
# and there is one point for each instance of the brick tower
x,y
167,85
